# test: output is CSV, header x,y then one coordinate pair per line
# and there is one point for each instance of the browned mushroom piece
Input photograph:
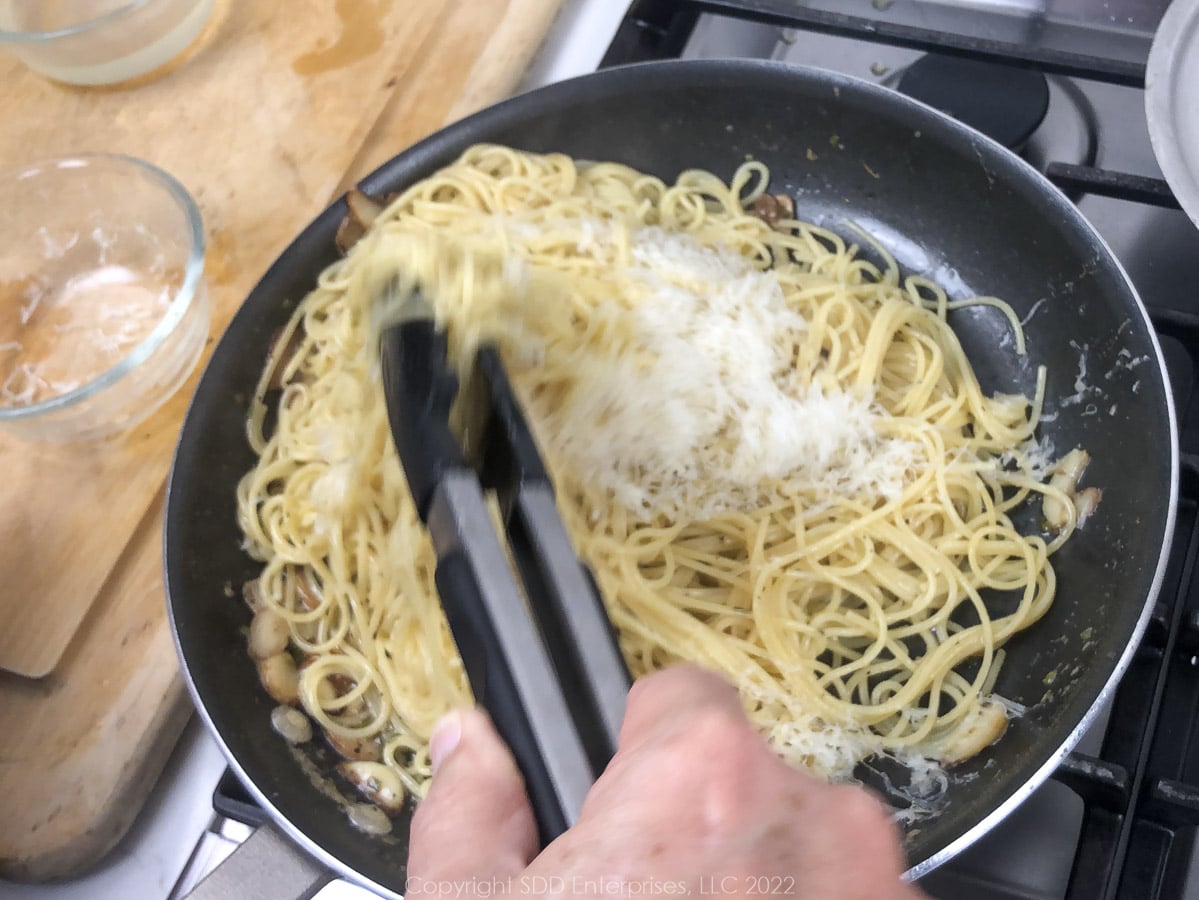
x,y
771,208
363,211
291,724
1086,502
377,783
362,749
251,592
333,686
280,678
341,684
276,382
983,727
1065,478
306,594
269,634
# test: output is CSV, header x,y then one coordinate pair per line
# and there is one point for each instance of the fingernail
x,y
446,734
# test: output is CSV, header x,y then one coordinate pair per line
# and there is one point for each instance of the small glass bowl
x,y
99,41
103,307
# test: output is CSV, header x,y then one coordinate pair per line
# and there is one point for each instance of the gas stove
x,y
1061,82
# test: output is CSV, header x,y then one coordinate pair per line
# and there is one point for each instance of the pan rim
x,y
615,81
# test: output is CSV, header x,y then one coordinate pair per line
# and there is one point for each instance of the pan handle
x,y
267,866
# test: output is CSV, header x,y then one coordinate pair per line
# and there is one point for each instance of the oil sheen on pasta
x,y
772,452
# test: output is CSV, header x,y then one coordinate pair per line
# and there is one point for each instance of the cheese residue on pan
x,y
701,403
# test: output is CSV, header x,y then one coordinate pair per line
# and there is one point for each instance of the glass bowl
x,y
103,308
99,41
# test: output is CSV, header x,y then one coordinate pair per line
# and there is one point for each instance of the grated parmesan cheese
x,y
700,406
1036,457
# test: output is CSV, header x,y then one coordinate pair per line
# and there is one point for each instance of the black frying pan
x,y
947,202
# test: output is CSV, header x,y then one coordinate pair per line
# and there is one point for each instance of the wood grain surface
x,y
264,120
261,147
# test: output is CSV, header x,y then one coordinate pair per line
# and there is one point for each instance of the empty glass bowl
x,y
103,308
99,41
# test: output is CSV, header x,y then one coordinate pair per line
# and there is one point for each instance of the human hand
x,y
694,803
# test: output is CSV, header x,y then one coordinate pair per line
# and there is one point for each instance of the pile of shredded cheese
x,y
707,408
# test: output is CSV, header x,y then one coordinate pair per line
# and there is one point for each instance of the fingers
x,y
671,699
694,789
687,745
475,822
858,835
694,797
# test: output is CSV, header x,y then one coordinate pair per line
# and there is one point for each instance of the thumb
x,y
475,822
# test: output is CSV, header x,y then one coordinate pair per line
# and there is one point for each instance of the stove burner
x,y
1003,102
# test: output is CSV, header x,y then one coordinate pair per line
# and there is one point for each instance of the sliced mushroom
x,y
341,683
331,685
328,688
369,818
307,594
377,783
362,212
349,233
280,678
1065,478
1086,502
982,728
269,633
276,382
361,749
770,208
251,592
291,724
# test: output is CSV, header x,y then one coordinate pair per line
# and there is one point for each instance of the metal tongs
x,y
543,661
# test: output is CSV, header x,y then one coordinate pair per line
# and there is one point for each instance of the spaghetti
x,y
772,452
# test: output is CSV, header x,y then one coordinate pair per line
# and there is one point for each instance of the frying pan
x,y
946,202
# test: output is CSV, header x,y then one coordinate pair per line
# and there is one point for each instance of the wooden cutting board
x,y
265,121
261,147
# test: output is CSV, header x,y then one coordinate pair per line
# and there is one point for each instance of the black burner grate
x,y
659,29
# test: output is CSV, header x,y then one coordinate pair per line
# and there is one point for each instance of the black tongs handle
x,y
564,597
548,671
507,665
